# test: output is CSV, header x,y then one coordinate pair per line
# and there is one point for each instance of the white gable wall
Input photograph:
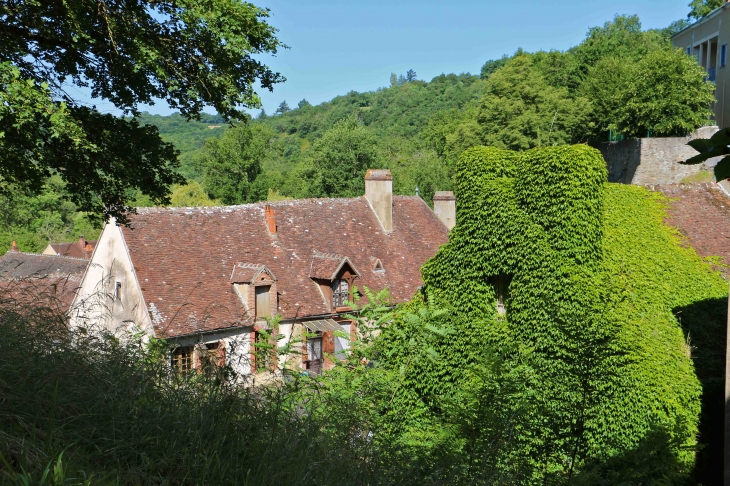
x,y
98,304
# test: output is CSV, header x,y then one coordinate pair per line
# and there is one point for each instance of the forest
x,y
416,128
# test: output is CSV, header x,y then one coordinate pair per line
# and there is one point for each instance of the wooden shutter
x,y
263,308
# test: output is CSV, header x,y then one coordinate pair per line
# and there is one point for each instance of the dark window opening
x,y
340,292
501,284
118,291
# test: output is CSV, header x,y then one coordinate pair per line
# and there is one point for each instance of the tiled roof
x,y
184,257
701,212
74,249
246,272
30,276
326,265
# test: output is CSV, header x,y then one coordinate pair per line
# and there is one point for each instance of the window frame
x,y
340,295
723,55
182,359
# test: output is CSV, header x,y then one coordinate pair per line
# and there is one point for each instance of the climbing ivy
x,y
587,365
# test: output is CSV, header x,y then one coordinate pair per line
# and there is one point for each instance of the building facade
x,y
210,280
707,40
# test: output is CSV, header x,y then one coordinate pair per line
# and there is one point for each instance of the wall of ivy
x,y
588,370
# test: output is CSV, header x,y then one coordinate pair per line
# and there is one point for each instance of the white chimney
x,y
444,205
379,193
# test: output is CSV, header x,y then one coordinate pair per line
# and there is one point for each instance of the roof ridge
x,y
45,255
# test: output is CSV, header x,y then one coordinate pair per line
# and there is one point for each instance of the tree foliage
x,y
229,165
520,110
701,8
189,54
340,159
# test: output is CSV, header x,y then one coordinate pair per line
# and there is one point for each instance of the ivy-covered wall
x,y
589,277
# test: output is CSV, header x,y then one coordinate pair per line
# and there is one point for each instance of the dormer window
x,y
335,276
340,292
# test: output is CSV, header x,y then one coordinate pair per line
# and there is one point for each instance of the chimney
x,y
82,242
14,247
444,206
379,193
270,219
87,251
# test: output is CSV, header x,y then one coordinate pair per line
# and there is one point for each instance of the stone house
x,y
77,249
47,280
209,280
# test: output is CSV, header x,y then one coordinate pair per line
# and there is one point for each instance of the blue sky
x,y
337,46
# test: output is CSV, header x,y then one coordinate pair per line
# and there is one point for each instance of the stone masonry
x,y
643,161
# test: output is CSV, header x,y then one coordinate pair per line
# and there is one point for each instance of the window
x,y
501,291
340,292
342,342
689,51
723,55
263,301
118,291
182,359
210,358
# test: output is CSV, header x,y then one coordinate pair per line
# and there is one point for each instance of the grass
x,y
702,176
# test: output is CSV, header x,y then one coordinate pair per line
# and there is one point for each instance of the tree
x,y
303,104
402,80
283,108
666,94
701,8
231,164
262,115
188,54
340,159
393,80
520,110
410,75
492,65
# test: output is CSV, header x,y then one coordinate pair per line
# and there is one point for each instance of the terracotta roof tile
x,y
246,272
701,212
30,277
184,257
74,249
327,265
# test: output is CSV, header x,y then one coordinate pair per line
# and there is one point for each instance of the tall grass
x,y
116,414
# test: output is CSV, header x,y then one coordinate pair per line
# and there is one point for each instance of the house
x,y
209,280
76,249
707,41
49,280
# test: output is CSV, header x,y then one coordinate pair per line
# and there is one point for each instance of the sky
x,y
336,46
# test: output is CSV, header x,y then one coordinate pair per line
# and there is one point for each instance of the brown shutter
x,y
262,301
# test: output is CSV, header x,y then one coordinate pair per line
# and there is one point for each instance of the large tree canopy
x,y
188,53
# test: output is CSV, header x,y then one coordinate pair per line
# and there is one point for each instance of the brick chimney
x,y
14,247
82,243
87,251
444,205
270,219
379,193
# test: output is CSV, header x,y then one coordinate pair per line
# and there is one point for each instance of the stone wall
x,y
653,160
